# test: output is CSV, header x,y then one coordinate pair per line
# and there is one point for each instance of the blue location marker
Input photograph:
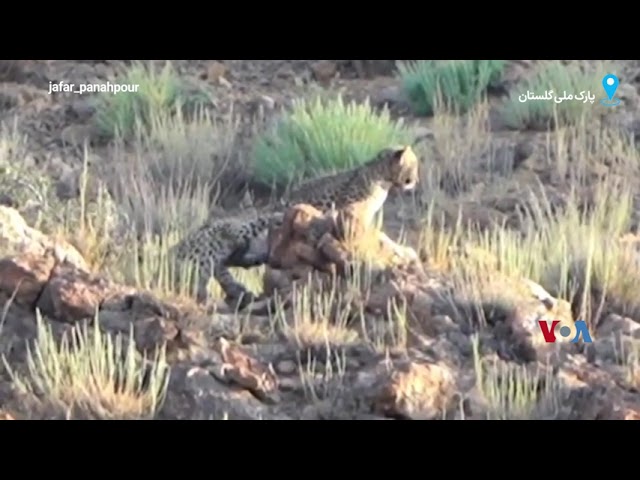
x,y
610,84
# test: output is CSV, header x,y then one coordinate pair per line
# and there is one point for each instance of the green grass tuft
x,y
322,136
458,84
159,90
90,373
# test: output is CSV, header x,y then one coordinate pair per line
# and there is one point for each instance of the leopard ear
x,y
398,153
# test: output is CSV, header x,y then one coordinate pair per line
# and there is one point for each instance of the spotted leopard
x,y
241,241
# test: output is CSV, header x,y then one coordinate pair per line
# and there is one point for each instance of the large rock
x,y
195,394
17,236
52,277
331,243
307,238
72,295
23,278
416,391
407,389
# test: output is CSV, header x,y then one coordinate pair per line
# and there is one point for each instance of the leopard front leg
x,y
236,294
404,254
254,254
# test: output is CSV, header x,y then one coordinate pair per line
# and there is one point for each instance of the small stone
x,y
6,416
260,104
12,70
423,133
67,186
615,324
286,367
7,201
224,82
289,384
81,110
8,100
77,135
522,151
324,70
247,372
57,167
268,102
249,338
353,363
391,95
628,94
541,294
216,71
151,333
631,414
29,162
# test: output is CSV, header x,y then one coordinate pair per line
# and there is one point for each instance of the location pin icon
x,y
610,83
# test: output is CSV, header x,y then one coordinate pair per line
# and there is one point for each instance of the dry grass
x,y
572,205
168,180
317,316
323,382
24,185
390,333
462,143
159,91
160,182
627,355
514,392
167,185
89,222
577,78
91,374
574,250
331,312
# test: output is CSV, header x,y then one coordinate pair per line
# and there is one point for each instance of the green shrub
x,y
322,136
459,84
545,114
89,374
157,92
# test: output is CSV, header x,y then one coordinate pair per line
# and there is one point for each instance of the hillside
x,y
526,211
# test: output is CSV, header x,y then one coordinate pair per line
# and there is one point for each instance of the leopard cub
x,y
242,241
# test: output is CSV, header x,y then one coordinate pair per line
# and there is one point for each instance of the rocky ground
x,y
512,227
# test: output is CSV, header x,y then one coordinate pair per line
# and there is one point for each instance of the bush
x,y
158,92
459,84
323,136
545,114
90,374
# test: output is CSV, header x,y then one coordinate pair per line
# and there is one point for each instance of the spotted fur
x,y
242,241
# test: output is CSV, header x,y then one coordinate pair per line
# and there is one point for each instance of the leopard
x,y
241,241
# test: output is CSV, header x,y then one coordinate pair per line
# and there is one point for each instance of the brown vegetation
x,y
524,212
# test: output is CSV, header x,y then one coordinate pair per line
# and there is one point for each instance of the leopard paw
x,y
240,301
406,254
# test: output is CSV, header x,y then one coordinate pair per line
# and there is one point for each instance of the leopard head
x,y
400,166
